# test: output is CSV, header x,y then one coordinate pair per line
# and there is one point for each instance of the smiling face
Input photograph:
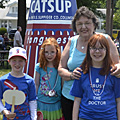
x,y
17,63
97,54
50,53
85,26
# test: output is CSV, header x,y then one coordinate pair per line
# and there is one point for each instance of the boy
x,y
22,82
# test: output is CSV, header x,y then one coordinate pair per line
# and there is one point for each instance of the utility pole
x,y
108,18
22,16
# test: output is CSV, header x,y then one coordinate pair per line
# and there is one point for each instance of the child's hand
x,y
9,114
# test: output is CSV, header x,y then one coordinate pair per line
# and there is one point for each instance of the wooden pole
x,y
108,17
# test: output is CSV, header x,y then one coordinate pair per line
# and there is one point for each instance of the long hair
x,y
107,62
42,60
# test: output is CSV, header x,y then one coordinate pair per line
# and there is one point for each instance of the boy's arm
x,y
76,106
118,108
37,81
7,113
1,106
33,109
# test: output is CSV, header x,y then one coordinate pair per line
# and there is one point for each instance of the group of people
x,y
82,83
3,41
17,39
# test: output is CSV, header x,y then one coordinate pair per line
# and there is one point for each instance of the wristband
x,y
71,76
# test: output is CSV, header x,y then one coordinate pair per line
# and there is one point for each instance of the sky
x,y
27,1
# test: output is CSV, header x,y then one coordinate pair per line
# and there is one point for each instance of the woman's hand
x,y
116,70
76,73
9,114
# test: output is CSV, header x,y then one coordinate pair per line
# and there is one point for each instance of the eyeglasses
x,y
85,24
50,53
95,49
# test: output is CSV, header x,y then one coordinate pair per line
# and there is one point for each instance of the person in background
x,y
48,82
18,38
6,40
117,42
22,82
84,23
96,91
2,42
6,37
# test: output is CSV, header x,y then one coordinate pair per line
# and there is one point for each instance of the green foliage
x,y
2,3
93,5
3,72
116,18
3,31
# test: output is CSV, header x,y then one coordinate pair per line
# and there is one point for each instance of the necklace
x,y
97,92
52,92
82,47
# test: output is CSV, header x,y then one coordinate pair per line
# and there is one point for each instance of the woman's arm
x,y
118,108
37,81
113,51
76,106
115,58
63,69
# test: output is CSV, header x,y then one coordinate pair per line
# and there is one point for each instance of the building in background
x,y
101,21
9,15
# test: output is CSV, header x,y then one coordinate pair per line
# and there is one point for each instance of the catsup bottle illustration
x,y
47,18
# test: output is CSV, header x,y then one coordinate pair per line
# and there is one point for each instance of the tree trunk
x,y
112,6
22,16
108,17
78,3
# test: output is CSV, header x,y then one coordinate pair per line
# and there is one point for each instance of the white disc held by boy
x,y
14,97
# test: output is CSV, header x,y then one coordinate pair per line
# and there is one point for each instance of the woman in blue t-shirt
x,y
96,92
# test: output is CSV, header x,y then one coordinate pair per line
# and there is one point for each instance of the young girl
x,y
97,95
48,82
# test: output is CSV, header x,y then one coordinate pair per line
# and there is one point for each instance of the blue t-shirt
x,y
48,80
25,84
97,102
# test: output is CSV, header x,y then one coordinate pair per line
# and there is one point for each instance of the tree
x,y
116,18
93,5
22,16
2,3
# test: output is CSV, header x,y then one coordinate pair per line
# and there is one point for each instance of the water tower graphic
x,y
47,18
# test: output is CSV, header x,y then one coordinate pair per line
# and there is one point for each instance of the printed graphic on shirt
x,y
18,108
97,89
44,83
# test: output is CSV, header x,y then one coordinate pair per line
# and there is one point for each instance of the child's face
x,y
17,63
50,53
97,54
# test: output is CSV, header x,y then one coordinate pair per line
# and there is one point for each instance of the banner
x,y
47,18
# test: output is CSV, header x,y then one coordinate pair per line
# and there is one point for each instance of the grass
x,y
3,72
